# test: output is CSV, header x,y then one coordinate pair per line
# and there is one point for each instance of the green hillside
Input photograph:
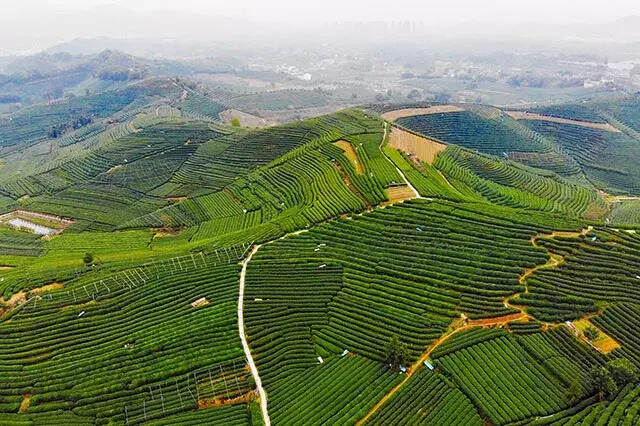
x,y
493,283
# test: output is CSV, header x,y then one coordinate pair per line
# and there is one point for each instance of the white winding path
x,y
243,337
243,274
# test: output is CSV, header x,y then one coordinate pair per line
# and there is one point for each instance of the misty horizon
x,y
285,21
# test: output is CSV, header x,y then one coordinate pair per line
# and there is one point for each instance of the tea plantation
x,y
310,273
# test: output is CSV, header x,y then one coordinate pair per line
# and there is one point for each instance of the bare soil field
x,y
14,300
246,120
350,153
423,148
114,169
501,320
408,112
203,301
399,193
521,115
176,199
45,288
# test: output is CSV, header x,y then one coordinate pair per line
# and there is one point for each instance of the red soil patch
x,y
485,322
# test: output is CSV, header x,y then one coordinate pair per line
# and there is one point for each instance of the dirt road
x,y
245,345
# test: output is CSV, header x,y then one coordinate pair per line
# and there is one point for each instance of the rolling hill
x,y
390,264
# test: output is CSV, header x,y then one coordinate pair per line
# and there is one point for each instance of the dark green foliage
x,y
354,284
467,338
622,410
515,185
88,259
397,352
605,157
591,333
575,391
623,371
580,112
617,321
600,382
382,285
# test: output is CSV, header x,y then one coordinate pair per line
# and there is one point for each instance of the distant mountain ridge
x,y
46,76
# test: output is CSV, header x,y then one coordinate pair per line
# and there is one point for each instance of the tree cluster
x,y
397,352
122,74
59,129
604,381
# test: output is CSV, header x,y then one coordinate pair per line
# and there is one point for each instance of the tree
x,y
88,258
414,95
443,97
591,333
397,352
380,97
575,391
601,383
235,122
623,371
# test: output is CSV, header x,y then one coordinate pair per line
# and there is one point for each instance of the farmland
x,y
456,266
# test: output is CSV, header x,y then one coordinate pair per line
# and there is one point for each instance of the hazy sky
x,y
27,26
340,10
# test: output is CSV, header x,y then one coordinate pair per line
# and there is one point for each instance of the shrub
x,y
591,333
623,371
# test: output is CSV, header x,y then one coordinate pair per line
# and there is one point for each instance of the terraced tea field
x,y
457,266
